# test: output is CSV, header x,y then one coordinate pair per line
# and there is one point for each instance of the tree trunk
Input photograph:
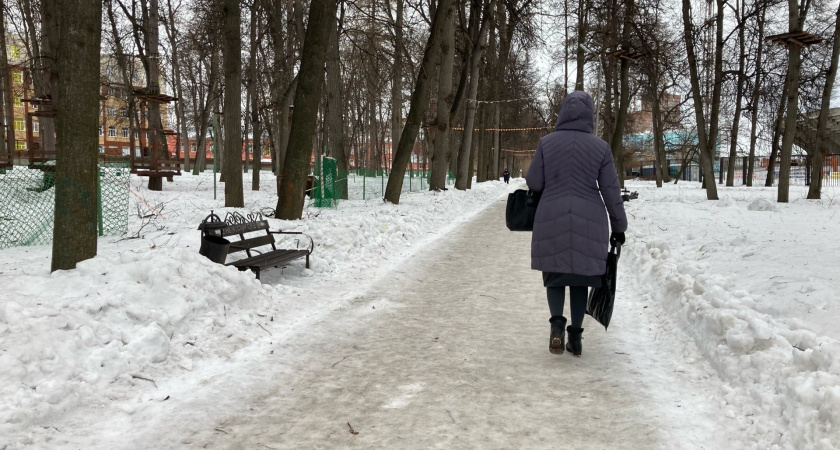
x,y
777,133
792,82
463,178
77,101
733,136
290,198
397,85
755,97
42,67
172,32
417,106
624,101
714,120
286,102
253,80
336,142
706,148
658,150
815,189
233,105
441,138
582,11
7,132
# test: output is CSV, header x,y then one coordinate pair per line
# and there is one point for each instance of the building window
x,y
18,101
15,51
125,133
111,92
17,76
125,151
20,145
100,130
124,113
101,149
112,131
20,125
36,126
112,112
117,93
192,148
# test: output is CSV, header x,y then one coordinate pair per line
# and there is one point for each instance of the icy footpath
x,y
781,380
79,345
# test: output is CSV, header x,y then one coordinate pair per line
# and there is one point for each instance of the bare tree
x,y
419,100
441,130
7,131
77,101
759,53
796,22
814,191
707,141
233,104
311,76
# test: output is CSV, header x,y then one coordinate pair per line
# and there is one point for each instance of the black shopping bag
x,y
600,303
521,209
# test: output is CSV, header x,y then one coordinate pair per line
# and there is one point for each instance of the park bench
x,y
255,239
627,195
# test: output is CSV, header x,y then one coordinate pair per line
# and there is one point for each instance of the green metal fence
x,y
27,203
331,185
327,188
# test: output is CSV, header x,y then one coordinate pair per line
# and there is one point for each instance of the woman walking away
x,y
575,172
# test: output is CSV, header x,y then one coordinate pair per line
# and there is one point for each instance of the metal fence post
x,y
99,200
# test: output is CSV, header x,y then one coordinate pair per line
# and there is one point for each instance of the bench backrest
x,y
246,244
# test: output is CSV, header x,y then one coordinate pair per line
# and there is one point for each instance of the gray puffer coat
x,y
574,169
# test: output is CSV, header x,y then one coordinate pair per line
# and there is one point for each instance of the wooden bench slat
x,y
242,228
269,259
251,243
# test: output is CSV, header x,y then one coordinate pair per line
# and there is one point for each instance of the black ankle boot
x,y
557,340
574,345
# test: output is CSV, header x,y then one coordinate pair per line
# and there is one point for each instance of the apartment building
x,y
114,126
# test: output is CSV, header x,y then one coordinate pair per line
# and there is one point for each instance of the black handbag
x,y
521,209
600,303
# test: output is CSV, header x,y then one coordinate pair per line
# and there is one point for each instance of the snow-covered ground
x,y
756,284
744,291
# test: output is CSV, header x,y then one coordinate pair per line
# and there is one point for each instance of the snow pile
x,y
151,309
73,335
782,380
761,204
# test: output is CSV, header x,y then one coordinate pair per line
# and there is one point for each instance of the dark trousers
x,y
507,178
556,299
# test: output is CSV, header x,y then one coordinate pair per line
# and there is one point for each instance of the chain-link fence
x,y
28,203
366,184
113,182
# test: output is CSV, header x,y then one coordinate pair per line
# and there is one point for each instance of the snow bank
x,y
782,380
151,309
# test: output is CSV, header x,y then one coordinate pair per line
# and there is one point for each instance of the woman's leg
x,y
577,300
557,339
556,299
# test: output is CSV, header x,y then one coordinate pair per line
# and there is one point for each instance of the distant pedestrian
x,y
506,174
575,172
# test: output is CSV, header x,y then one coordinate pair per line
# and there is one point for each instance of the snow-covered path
x,y
450,351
